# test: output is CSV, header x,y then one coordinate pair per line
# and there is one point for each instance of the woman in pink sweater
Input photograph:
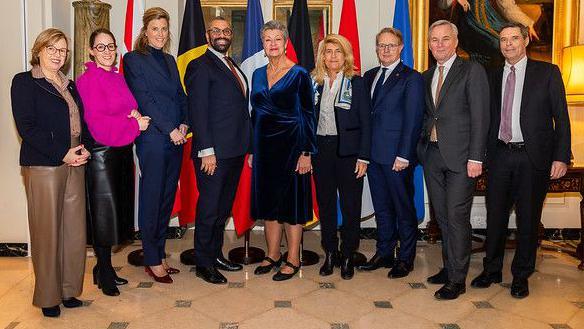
x,y
114,122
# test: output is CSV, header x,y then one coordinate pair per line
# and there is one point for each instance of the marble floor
x,y
369,300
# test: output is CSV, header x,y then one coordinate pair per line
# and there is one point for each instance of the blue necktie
x,y
379,84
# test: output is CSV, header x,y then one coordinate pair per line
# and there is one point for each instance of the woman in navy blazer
x,y
153,78
343,141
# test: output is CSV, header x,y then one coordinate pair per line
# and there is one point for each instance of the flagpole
x,y
246,255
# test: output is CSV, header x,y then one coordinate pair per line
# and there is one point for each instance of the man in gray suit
x,y
451,149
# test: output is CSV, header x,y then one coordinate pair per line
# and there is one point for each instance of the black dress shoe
x,y
376,262
330,261
221,263
72,302
52,312
347,268
450,291
279,276
519,288
400,270
439,278
272,264
484,280
210,274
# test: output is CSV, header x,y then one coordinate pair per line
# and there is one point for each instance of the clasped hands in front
x,y
179,135
76,156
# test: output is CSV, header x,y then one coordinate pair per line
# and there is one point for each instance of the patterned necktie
x,y
505,130
379,84
232,68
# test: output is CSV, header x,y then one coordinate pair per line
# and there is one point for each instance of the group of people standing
x,y
330,123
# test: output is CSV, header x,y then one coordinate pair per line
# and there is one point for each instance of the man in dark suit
x,y
528,143
397,96
218,108
451,149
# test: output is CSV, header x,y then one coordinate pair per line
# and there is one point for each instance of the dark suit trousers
x,y
451,195
160,162
216,195
333,173
392,194
512,180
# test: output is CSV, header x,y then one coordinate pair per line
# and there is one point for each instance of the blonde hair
x,y
46,38
154,13
348,69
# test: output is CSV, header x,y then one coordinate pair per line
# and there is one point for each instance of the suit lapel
x,y
222,67
529,71
389,83
450,77
429,99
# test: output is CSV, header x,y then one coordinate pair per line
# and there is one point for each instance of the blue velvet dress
x,y
284,126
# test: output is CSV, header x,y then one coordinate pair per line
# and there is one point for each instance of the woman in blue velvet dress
x,y
284,139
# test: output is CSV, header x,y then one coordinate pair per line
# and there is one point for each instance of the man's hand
x,y
399,165
250,160
183,129
474,169
177,137
559,169
209,164
304,164
360,169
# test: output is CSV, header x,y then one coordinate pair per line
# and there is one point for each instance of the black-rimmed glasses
x,y
101,47
51,50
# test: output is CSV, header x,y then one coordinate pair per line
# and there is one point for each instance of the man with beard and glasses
x,y
218,109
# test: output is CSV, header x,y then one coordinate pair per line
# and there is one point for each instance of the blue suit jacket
x,y
217,108
396,117
159,95
354,124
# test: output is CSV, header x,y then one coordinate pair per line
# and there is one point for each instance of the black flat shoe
x,y
72,302
210,274
450,291
519,288
221,263
400,270
279,276
439,278
265,269
51,312
347,268
484,280
330,261
376,262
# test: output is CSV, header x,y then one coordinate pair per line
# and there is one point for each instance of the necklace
x,y
274,69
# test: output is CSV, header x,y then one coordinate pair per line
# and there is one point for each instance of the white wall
x,y
40,14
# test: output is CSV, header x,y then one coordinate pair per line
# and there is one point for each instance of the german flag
x,y
192,44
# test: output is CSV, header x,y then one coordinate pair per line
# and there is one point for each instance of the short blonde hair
x,y
46,38
340,41
154,13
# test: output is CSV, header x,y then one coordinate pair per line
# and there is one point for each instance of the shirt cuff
x,y
475,161
403,160
206,152
364,161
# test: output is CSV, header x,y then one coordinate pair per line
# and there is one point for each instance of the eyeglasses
x,y
217,32
389,46
51,50
101,47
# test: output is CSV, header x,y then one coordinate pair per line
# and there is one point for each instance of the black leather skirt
x,y
110,195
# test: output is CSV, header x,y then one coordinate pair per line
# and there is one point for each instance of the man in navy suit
x,y
397,97
218,108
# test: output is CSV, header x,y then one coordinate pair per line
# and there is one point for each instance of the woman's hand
x,y
176,137
183,129
135,114
143,122
304,165
76,156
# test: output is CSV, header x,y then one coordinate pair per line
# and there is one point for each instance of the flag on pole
x,y
348,28
192,44
253,57
401,21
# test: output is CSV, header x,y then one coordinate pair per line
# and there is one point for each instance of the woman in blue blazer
x,y
343,141
153,78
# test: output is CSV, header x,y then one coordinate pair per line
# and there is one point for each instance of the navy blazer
x,y
42,120
397,115
217,108
353,124
159,96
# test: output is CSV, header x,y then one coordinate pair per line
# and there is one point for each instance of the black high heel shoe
x,y
279,276
119,281
264,269
107,289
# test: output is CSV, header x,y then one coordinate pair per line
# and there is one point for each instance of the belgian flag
x,y
192,44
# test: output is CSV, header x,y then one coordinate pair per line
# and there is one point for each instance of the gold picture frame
x,y
566,14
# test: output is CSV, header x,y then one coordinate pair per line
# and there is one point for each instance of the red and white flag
x,y
348,28
132,26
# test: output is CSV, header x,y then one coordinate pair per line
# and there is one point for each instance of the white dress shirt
x,y
210,150
516,111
